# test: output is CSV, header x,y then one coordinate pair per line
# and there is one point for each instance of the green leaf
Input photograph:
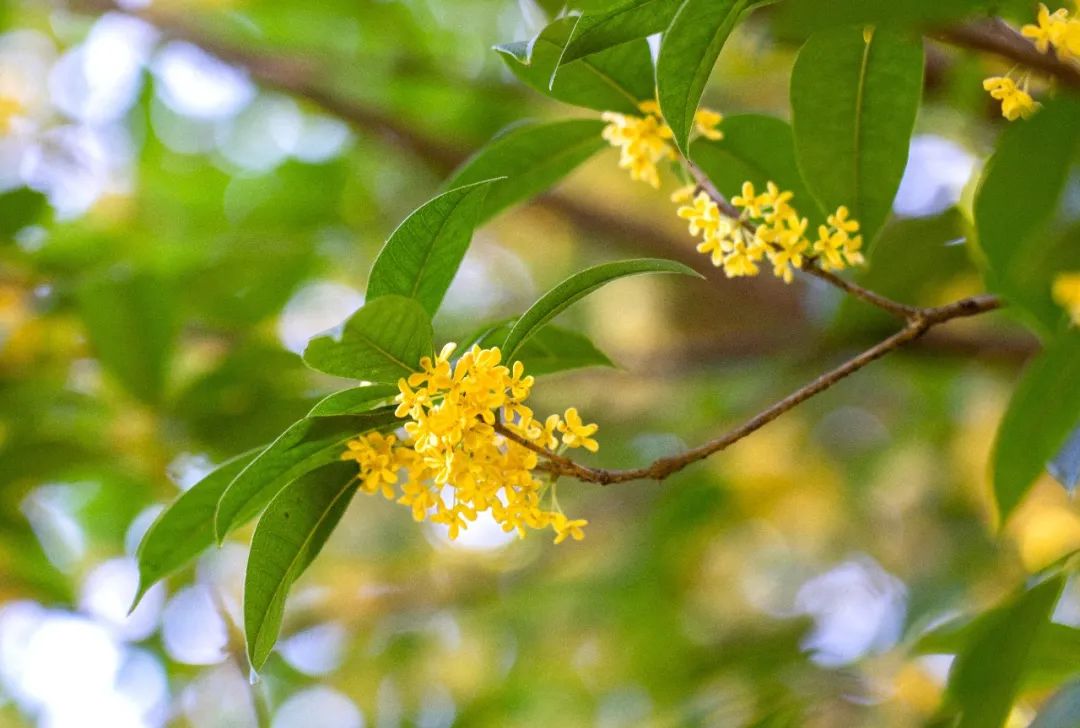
x,y
532,157
810,16
381,342
576,287
186,527
987,674
354,401
1062,710
1016,200
289,536
627,21
616,79
758,149
854,98
1044,410
19,208
688,53
131,322
307,445
421,257
551,349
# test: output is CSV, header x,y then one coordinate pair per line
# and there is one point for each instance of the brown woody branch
x,y
922,321
1001,39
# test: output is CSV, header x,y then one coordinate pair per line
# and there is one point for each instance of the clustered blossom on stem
x,y
1067,294
454,462
645,141
1056,30
769,227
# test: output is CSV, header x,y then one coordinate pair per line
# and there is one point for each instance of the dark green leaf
x,y
854,96
381,342
576,287
987,674
1016,200
1044,409
810,16
289,536
421,257
532,157
627,21
131,321
688,53
551,349
758,149
307,445
616,79
19,208
354,401
185,528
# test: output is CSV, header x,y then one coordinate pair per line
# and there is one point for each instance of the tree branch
x,y
998,37
922,321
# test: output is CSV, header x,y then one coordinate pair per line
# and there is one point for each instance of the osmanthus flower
x,y
1055,30
768,226
1016,102
645,141
1066,293
453,464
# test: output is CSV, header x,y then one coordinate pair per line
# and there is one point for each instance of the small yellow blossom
x,y
1016,102
683,195
453,464
646,141
575,433
706,121
1049,30
769,226
1067,294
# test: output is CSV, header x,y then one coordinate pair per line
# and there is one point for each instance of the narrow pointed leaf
x,y
1044,410
855,94
532,157
422,256
550,350
289,536
988,672
186,528
354,401
307,445
627,21
616,79
381,342
576,287
688,52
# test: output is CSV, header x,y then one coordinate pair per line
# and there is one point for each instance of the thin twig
x,y
924,320
998,37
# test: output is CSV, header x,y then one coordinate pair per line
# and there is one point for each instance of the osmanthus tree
x,y
446,430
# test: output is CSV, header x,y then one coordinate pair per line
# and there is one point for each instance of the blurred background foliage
x,y
193,188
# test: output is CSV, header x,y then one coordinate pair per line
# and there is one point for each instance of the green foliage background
x,y
146,333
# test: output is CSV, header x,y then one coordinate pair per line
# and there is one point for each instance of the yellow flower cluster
x,y
645,141
453,464
1057,30
769,227
1067,294
1016,102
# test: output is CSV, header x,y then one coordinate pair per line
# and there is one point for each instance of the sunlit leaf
x,y
987,674
551,349
626,21
1044,410
688,52
354,401
576,287
421,257
185,528
307,445
532,157
381,342
855,93
287,539
617,79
